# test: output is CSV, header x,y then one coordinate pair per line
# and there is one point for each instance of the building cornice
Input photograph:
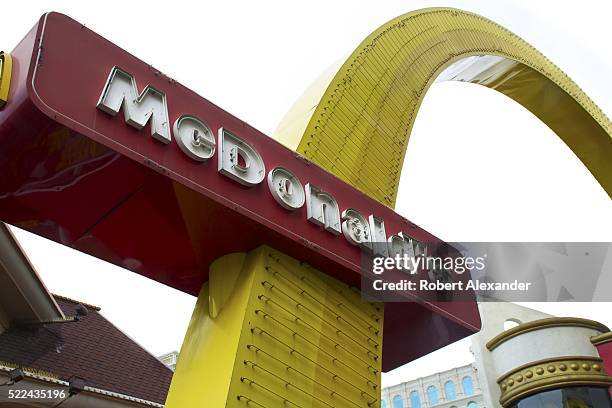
x,y
551,373
543,324
601,339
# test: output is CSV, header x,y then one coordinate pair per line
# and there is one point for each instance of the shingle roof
x,y
93,349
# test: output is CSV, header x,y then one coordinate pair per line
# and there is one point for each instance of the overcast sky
x,y
495,173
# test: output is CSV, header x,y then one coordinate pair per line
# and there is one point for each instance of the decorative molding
x,y
602,339
544,324
549,374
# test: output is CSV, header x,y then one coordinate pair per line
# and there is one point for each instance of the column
x,y
269,331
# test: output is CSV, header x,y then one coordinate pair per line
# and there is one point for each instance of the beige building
x,y
496,317
473,385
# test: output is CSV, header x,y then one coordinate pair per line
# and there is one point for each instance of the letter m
x,y
120,91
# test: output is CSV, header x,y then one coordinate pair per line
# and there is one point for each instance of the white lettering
x,y
121,91
286,188
378,236
356,229
322,209
239,160
194,138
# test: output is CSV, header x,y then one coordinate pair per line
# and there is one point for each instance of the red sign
x,y
74,172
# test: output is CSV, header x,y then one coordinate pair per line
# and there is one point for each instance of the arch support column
x,y
270,331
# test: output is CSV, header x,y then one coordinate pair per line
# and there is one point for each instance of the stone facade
x,y
455,388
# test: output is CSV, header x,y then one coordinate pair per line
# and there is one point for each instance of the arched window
x,y
415,400
398,402
383,404
449,391
472,404
432,395
468,386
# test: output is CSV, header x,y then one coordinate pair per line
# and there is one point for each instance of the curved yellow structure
x,y
356,123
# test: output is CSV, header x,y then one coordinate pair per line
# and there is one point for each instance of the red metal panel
x,y
605,352
88,180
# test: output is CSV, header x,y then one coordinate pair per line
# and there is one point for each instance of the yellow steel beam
x,y
355,121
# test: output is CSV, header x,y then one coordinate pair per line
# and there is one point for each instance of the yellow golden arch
x,y
355,121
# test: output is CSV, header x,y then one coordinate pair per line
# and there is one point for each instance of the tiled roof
x,y
92,348
69,300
